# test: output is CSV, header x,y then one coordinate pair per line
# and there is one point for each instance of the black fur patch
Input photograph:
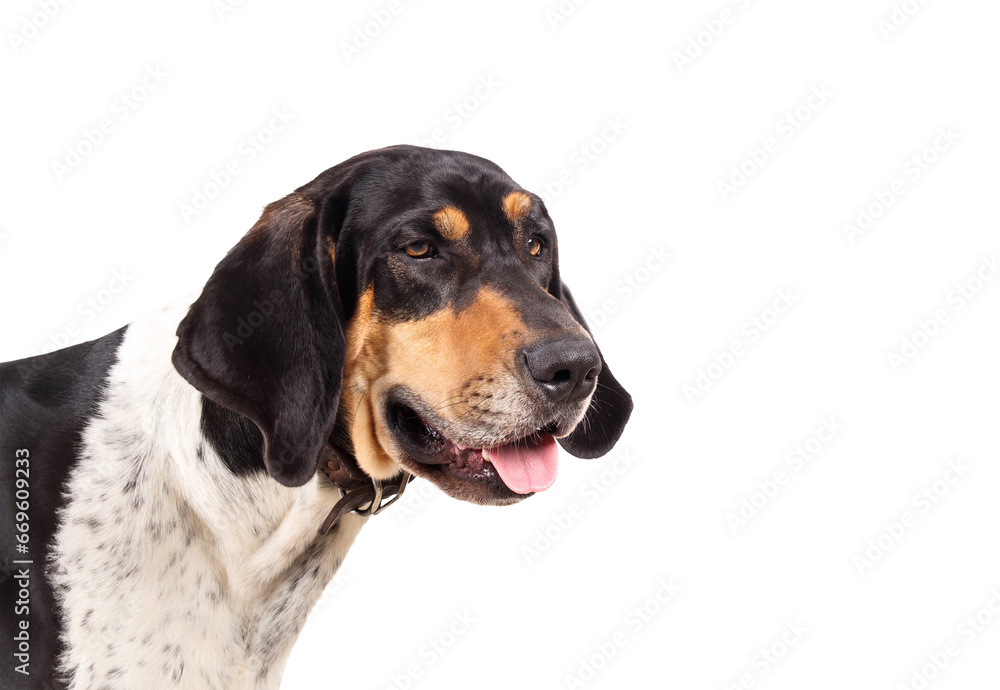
x,y
45,402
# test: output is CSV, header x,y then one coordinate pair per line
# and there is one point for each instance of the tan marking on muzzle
x,y
435,357
516,206
451,223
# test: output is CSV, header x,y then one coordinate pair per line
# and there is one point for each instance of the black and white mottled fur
x,y
168,569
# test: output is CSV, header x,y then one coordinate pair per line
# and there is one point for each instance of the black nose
x,y
565,369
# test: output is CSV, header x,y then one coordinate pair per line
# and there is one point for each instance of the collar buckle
x,y
357,496
376,505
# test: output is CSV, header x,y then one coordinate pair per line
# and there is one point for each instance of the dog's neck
x,y
212,575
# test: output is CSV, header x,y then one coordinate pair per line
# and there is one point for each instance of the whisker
x,y
445,402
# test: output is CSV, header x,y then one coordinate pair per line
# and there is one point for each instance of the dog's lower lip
x,y
432,449
430,444
426,444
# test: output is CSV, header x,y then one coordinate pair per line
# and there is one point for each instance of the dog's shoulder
x,y
45,404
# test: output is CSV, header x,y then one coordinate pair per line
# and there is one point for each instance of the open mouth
x,y
521,467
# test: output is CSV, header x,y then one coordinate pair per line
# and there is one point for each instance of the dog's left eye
x,y
535,245
420,249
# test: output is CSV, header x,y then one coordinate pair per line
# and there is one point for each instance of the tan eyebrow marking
x,y
451,223
516,206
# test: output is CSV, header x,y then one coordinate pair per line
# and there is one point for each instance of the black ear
x,y
609,409
266,336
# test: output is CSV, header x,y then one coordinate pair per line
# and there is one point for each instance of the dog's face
x,y
422,288
461,365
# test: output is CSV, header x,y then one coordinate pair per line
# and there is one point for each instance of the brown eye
x,y
418,248
535,245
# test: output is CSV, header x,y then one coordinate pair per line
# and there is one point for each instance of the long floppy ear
x,y
266,336
609,409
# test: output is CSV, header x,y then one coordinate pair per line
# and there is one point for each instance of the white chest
x,y
169,568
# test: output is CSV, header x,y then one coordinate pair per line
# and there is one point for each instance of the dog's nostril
x,y
561,375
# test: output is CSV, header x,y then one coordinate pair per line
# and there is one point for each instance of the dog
x,y
188,484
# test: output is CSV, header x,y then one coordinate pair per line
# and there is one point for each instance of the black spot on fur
x,y
133,481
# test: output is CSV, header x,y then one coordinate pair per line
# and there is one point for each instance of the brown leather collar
x,y
357,489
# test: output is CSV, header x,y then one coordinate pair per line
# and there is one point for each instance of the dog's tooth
x,y
486,455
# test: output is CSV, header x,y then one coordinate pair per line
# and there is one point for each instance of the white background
x,y
652,187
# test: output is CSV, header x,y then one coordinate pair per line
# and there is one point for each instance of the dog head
x,y
409,301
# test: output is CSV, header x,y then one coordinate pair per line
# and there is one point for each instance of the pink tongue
x,y
526,468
